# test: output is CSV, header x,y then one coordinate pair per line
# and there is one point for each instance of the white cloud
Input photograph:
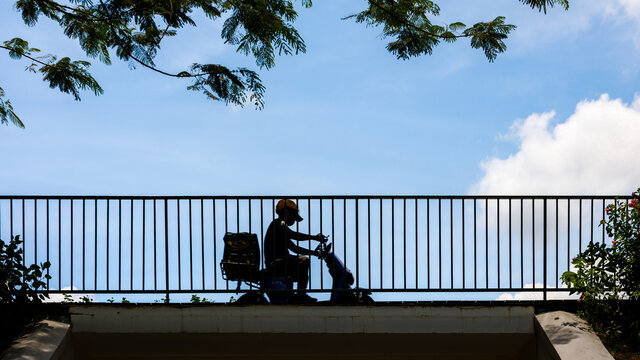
x,y
552,295
595,151
629,9
57,298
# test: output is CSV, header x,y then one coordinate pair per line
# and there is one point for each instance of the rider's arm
x,y
300,250
294,235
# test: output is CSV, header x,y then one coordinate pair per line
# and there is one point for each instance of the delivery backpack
x,y
241,263
241,258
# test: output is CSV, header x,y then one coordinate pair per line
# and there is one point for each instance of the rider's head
x,y
288,211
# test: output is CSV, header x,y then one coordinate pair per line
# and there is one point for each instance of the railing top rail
x,y
311,197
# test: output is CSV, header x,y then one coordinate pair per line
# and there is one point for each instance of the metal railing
x,y
393,244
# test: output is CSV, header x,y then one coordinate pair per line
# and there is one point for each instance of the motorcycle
x,y
342,279
241,263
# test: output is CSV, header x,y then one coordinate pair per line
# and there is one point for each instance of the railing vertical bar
x,y
131,248
498,237
603,230
215,245
202,240
416,234
24,238
249,203
464,285
451,236
393,243
322,232
60,245
475,245
144,242
11,218
35,232
309,242
439,243
557,241
404,242
166,250
84,255
190,244
179,246
155,247
521,242
591,240
238,214
381,248
510,250
262,230
119,244
580,227
486,238
368,240
344,228
428,246
71,244
95,244
308,232
333,232
47,240
226,229
544,248
357,244
533,241
568,232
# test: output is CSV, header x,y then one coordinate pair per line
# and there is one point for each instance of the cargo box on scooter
x,y
241,258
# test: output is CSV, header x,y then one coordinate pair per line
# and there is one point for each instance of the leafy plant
x,y
20,283
195,299
608,277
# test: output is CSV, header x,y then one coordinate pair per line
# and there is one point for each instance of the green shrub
x,y
20,283
608,278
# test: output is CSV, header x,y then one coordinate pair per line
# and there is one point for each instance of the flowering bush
x,y
608,277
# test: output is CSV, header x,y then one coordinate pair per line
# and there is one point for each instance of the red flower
x,y
633,203
608,209
581,297
614,242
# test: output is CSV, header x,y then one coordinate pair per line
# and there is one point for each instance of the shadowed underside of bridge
x,y
312,332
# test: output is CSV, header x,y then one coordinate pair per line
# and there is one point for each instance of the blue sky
x,y
556,114
355,119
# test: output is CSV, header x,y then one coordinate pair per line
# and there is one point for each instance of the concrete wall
x,y
313,332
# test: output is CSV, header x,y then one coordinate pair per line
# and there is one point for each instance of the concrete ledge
x,y
304,319
564,336
48,341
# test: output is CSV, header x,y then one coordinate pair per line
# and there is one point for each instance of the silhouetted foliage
x,y
608,278
20,283
134,30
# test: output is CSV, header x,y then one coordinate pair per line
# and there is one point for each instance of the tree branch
x,y
129,54
409,24
27,56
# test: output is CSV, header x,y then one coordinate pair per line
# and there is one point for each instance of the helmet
x,y
286,205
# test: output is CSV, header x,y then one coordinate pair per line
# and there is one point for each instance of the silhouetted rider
x,y
279,240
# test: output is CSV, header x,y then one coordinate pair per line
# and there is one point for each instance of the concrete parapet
x,y
48,341
564,336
